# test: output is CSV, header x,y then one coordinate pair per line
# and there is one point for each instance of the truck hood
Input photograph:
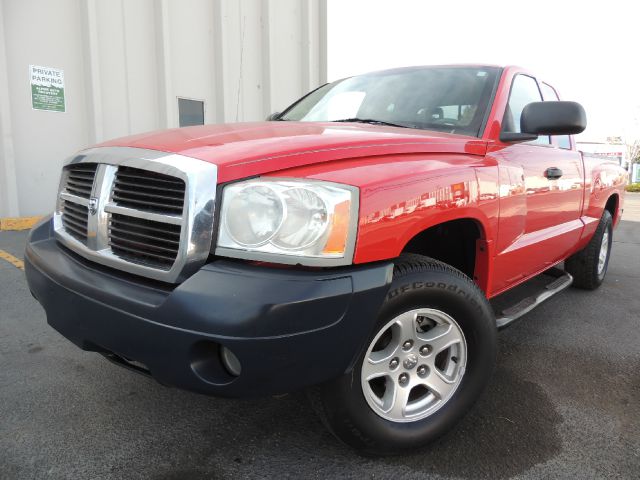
x,y
246,149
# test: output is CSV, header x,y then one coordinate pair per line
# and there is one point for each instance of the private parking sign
x,y
47,88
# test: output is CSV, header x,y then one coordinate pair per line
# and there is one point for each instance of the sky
x,y
589,51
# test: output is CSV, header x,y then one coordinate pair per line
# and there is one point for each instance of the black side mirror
x,y
553,118
273,116
548,118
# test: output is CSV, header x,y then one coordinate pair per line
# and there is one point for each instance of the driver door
x,y
541,196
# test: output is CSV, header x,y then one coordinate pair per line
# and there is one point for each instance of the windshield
x,y
446,99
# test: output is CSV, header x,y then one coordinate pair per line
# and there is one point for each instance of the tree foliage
x,y
633,151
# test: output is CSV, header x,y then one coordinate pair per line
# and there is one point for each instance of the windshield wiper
x,y
372,122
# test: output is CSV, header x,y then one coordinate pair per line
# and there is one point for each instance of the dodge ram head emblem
x,y
93,205
411,361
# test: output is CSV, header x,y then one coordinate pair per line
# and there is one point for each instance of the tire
x,y
423,292
588,267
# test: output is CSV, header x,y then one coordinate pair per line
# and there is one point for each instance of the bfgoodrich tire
x,y
589,266
425,364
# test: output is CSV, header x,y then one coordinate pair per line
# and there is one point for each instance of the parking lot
x,y
563,403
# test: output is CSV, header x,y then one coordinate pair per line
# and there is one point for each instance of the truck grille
x,y
142,211
144,241
80,179
148,191
74,219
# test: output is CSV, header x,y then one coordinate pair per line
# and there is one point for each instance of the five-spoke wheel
x,y
603,255
413,365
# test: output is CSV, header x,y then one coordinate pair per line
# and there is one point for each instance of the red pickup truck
x,y
351,245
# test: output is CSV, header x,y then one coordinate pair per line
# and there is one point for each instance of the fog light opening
x,y
211,364
230,362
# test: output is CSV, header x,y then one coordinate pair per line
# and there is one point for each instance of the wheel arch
x,y
459,242
612,206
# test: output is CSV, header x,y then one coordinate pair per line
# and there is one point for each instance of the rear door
x,y
542,183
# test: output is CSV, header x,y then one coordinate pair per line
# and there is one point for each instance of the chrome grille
x,y
79,179
148,191
74,219
144,241
142,211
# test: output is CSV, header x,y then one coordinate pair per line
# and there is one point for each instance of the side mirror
x,y
548,118
273,116
553,118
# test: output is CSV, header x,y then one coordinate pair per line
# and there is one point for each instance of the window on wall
x,y
524,90
190,112
550,94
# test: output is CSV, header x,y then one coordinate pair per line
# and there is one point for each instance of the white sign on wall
x,y
47,88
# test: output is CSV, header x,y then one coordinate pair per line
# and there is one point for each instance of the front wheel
x,y
426,363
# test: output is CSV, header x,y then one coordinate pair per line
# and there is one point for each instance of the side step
x,y
509,315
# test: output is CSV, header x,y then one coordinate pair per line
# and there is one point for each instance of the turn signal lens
x,y
337,241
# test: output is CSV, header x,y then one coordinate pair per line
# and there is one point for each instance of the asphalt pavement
x,y
564,402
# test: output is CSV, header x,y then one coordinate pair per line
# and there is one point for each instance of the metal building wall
x,y
125,64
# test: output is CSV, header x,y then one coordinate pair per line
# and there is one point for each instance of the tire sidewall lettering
x,y
423,285
420,285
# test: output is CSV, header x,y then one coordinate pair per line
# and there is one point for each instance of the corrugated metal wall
x,y
125,64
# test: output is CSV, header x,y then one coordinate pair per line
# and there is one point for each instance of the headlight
x,y
253,215
306,222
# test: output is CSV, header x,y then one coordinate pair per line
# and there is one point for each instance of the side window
x,y
524,90
549,94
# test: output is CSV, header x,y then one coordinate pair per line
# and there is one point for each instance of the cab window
x,y
524,90
549,94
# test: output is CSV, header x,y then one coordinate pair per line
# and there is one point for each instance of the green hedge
x,y
634,187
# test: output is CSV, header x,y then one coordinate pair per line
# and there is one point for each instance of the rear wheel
x,y
589,266
426,363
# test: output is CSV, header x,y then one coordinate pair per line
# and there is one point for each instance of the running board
x,y
511,314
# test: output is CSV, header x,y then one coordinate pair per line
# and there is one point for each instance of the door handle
x,y
553,173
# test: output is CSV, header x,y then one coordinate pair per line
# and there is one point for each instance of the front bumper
x,y
288,328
